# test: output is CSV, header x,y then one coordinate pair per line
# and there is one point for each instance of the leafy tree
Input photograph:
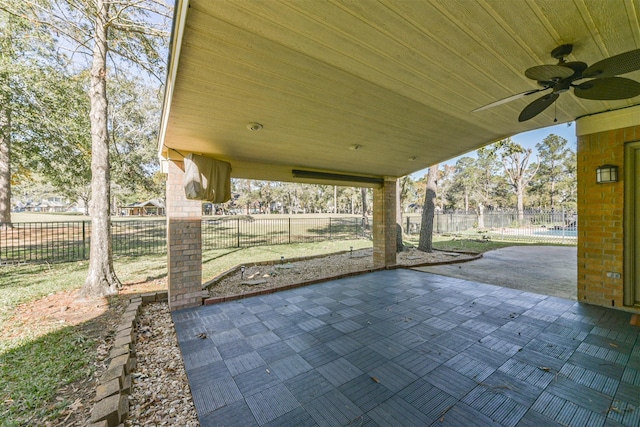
x,y
476,182
134,114
463,183
568,184
445,183
62,153
553,152
515,162
121,32
25,56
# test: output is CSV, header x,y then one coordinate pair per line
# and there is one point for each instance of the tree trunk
x,y
101,278
5,166
428,212
466,201
480,215
520,196
365,219
399,242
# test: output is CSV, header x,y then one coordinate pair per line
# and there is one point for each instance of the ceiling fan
x,y
603,83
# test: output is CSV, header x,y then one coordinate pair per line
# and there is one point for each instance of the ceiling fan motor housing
x,y
561,52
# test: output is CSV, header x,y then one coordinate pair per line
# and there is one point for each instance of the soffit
x,y
398,78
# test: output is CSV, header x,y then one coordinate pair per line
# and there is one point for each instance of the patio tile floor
x,y
407,348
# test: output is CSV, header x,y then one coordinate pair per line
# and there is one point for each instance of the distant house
x,y
150,207
51,205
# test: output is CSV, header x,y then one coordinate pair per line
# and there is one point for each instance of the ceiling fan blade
x,y
548,72
537,107
608,88
615,65
508,99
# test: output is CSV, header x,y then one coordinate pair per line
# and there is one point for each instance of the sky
x,y
527,140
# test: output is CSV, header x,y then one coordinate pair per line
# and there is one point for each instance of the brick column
x,y
184,240
384,224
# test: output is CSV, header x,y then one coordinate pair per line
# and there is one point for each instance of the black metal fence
x,y
70,241
238,232
533,226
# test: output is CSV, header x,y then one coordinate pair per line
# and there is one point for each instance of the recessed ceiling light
x,y
355,147
254,126
412,159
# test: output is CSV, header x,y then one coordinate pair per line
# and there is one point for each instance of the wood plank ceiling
x,y
399,79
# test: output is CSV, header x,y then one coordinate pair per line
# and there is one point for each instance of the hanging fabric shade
x,y
207,179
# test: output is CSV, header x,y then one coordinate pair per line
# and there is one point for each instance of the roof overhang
x,y
374,89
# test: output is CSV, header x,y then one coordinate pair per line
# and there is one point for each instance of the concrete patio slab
x,y
547,270
407,348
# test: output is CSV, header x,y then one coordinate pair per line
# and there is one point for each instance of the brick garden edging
x,y
111,405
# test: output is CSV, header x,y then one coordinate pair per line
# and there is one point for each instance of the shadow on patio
x,y
407,348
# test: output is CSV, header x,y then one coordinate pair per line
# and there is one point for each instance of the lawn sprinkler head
x,y
282,259
242,267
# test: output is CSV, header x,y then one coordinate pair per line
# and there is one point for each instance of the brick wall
x,y
600,217
384,224
184,237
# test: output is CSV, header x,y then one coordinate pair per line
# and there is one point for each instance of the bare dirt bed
x,y
259,277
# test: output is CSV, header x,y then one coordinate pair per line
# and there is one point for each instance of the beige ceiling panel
x,y
397,78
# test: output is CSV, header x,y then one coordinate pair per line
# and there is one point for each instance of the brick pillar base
x,y
184,239
384,224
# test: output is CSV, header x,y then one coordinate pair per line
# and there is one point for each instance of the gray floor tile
x,y
276,351
451,382
269,404
365,392
339,371
399,413
344,345
429,399
290,367
308,386
624,413
298,417
234,348
319,355
206,375
393,376
256,380
219,393
301,342
409,348
463,415
243,363
236,414
333,409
